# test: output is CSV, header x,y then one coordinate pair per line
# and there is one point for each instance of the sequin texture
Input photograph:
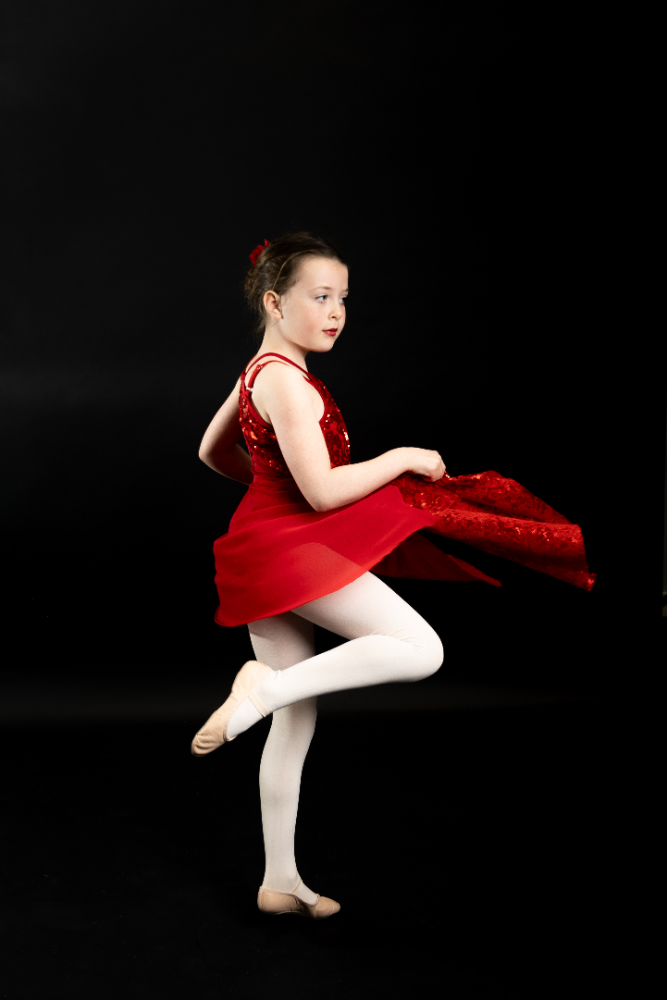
x,y
501,517
261,438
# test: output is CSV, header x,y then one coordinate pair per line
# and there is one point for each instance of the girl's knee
x,y
432,654
437,655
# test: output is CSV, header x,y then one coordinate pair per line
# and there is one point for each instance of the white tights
x,y
389,641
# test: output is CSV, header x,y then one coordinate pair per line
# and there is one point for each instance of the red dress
x,y
279,553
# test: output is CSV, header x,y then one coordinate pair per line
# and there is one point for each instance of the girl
x,y
311,527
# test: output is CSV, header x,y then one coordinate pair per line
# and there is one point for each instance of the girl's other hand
x,y
425,463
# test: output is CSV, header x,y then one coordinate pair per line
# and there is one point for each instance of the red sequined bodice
x,y
261,438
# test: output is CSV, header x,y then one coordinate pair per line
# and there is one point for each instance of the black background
x,y
459,155
469,160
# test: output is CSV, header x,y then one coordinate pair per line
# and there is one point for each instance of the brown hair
x,y
277,269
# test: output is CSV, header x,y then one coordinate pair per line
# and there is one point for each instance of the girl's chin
x,y
319,343
323,344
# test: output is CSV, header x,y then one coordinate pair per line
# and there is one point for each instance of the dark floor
x,y
468,850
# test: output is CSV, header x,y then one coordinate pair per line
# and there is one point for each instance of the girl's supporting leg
x,y
280,642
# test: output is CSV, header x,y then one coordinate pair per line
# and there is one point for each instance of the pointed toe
x,y
214,731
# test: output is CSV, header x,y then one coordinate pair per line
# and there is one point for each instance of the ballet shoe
x,y
274,903
214,731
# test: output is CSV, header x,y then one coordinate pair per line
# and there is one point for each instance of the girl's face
x,y
311,314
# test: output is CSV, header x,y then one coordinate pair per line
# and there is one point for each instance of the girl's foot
x,y
305,894
216,730
274,902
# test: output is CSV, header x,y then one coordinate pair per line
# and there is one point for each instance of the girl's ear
x,y
271,302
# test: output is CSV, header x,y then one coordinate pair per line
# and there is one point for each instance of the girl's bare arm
x,y
220,449
288,401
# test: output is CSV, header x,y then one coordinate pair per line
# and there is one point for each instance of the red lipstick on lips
x,y
332,332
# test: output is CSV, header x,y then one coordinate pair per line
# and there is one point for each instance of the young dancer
x,y
311,527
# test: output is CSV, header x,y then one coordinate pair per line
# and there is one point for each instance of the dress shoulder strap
x,y
275,355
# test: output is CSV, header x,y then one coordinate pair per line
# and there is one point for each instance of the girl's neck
x,y
288,350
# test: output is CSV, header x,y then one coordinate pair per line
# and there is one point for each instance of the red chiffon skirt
x,y
279,553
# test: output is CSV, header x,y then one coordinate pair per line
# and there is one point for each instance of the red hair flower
x,y
254,256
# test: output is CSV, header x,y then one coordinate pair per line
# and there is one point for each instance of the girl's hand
x,y
425,463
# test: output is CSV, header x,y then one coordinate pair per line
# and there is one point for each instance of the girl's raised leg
x,y
388,641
